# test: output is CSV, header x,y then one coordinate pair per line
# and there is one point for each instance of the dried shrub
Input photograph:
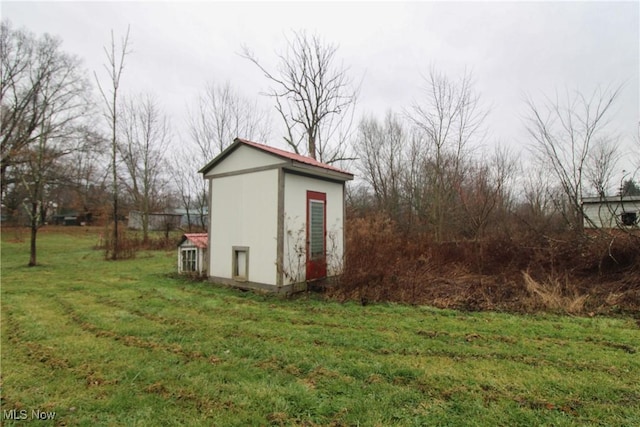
x,y
554,295
127,246
129,243
572,272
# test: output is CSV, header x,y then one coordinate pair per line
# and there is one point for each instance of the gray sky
x,y
512,48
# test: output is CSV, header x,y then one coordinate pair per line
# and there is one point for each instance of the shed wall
x,y
295,221
243,213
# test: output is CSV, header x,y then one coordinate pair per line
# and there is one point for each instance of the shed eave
x,y
318,172
610,199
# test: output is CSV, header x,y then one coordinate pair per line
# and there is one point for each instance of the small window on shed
x,y
629,218
240,263
189,260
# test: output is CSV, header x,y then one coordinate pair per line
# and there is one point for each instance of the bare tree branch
x,y
145,138
314,97
447,121
564,135
221,114
44,99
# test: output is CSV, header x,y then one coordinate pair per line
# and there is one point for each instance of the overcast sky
x,y
512,48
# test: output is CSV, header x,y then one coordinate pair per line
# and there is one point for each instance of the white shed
x,y
276,219
192,253
611,212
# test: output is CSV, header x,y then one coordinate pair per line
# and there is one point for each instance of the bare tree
x,y
600,165
40,91
87,173
381,147
222,114
143,144
448,119
192,191
563,133
114,68
314,96
485,191
44,95
18,86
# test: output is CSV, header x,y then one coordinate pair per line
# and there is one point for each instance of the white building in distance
x,y
611,212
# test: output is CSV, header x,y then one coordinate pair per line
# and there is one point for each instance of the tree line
x,y
72,141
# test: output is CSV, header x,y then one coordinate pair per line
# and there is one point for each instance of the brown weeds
x,y
129,243
554,295
570,273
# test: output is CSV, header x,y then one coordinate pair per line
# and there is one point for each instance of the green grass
x,y
125,343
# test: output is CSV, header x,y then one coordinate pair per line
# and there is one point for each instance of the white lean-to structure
x,y
611,212
276,219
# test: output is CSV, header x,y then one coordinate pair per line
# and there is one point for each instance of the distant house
x,y
276,219
71,218
192,253
611,212
192,217
157,221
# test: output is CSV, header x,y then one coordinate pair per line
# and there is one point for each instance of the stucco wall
x,y
295,211
244,213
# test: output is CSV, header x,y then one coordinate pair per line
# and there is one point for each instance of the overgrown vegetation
x,y
131,242
570,273
104,343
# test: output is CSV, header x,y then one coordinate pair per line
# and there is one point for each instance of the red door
x,y
316,235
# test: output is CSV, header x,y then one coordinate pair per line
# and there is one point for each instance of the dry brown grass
x,y
569,273
555,295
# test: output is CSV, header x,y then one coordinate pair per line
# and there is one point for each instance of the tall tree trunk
x,y
34,232
114,66
145,225
114,253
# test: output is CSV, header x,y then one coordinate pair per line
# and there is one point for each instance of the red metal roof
x,y
201,240
292,156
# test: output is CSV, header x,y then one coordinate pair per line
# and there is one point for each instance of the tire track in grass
x,y
292,315
39,354
157,294
34,351
158,388
195,304
227,324
132,340
112,302
529,356
223,319
297,318
526,359
194,324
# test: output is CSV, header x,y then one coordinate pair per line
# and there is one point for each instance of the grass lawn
x,y
125,343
